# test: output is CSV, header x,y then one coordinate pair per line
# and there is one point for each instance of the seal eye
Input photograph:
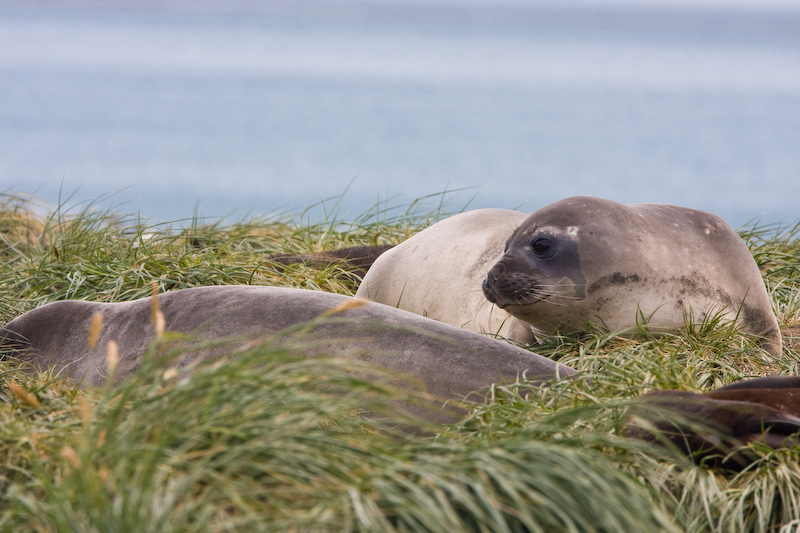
x,y
542,247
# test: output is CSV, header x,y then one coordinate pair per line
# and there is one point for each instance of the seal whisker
x,y
554,294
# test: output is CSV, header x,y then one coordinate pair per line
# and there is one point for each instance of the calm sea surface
x,y
258,107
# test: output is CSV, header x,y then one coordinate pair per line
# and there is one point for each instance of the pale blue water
x,y
271,105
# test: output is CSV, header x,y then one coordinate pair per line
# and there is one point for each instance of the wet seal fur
x,y
448,362
589,260
438,273
709,427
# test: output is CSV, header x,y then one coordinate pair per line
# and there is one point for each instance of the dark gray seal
x,y
589,260
354,259
450,363
710,427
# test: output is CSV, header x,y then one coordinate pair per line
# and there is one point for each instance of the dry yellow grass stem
x,y
22,394
94,329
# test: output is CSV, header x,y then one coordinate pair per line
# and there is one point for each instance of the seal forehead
x,y
527,230
584,214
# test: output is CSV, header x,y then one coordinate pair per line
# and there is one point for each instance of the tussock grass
x,y
251,445
76,253
270,441
776,249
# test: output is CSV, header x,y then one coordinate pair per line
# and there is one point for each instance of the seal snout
x,y
503,286
490,282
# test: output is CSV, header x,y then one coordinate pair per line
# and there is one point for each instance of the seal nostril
x,y
495,272
488,289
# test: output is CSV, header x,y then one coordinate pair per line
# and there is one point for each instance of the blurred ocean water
x,y
237,109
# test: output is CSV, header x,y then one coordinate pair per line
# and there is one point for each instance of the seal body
x,y
355,259
709,427
589,260
438,273
448,362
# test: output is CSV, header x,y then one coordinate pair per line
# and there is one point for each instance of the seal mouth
x,y
516,289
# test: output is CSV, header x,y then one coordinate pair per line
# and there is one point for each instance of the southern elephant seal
x,y
438,273
586,259
355,259
450,363
709,426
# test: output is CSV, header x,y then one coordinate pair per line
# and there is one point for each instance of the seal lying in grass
x,y
438,273
709,426
577,261
587,259
356,259
450,363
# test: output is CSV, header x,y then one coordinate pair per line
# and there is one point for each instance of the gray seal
x,y
589,260
448,362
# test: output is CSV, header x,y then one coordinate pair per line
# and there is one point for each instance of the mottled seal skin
x,y
438,273
450,363
709,426
589,260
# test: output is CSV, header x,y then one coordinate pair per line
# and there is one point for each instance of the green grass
x,y
252,445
